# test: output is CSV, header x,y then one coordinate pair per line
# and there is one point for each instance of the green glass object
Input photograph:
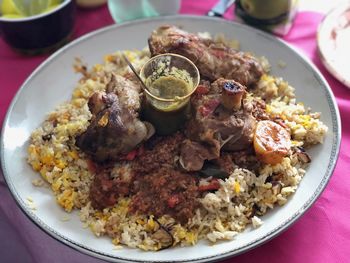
x,y
267,9
275,16
124,10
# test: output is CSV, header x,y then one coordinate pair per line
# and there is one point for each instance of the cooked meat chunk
x,y
301,154
113,129
259,109
164,236
193,154
225,162
215,127
233,131
127,91
212,59
213,122
246,159
166,191
98,102
243,138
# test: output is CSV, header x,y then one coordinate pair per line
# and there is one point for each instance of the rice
x,y
241,200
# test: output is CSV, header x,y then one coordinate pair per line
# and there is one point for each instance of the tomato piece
x,y
204,111
209,107
219,53
131,155
212,104
202,90
173,201
213,185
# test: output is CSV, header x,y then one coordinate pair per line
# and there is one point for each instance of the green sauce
x,y
169,87
166,122
167,117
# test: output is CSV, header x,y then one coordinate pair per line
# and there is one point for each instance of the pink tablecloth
x,y
321,235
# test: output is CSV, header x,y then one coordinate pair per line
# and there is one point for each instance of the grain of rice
x,y
256,222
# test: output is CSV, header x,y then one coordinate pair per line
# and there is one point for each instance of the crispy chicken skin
x,y
212,59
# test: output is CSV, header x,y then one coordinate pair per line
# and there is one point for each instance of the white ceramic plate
x,y
53,82
333,42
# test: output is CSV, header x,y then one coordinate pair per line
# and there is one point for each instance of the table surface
x,y
321,235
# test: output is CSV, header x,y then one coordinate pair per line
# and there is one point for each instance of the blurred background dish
x,y
333,42
124,10
275,16
36,28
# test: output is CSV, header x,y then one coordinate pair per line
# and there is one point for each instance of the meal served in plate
x,y
237,152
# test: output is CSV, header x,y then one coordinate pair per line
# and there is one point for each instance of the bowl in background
x,y
39,33
333,38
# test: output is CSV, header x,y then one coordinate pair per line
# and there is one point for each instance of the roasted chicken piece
x,y
114,129
214,60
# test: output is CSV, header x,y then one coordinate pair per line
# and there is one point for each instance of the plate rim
x,y
321,49
336,123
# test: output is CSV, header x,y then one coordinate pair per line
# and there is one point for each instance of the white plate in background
x,y
333,40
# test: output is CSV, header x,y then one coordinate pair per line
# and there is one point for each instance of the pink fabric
x,y
321,235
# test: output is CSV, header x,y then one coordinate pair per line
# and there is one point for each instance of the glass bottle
x,y
275,16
